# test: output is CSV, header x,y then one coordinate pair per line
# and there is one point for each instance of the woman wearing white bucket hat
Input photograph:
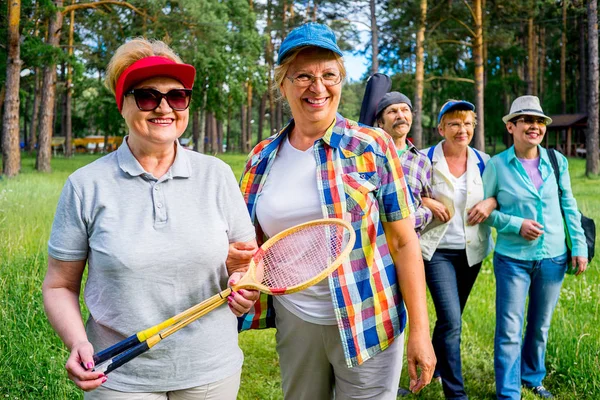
x,y
531,254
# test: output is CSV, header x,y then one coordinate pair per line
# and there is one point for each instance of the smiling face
x,y
457,127
161,126
396,120
527,132
315,103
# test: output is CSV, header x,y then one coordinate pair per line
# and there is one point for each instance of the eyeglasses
x,y
305,80
457,125
150,99
531,120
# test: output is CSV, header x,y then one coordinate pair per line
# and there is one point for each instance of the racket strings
x,y
302,255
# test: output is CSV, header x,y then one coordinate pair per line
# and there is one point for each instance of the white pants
x,y
313,366
225,389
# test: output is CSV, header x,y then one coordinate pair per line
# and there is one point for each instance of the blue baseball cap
x,y
453,105
310,34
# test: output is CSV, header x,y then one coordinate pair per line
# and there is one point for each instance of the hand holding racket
x,y
290,261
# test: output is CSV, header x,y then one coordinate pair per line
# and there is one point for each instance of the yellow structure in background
x,y
88,144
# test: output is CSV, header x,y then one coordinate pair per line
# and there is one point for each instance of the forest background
x,y
53,56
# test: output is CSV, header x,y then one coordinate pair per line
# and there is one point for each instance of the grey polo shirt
x,y
155,247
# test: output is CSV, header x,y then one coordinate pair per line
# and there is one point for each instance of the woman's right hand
x,y
531,229
84,378
439,210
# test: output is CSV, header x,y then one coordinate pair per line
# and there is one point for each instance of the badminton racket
x,y
290,261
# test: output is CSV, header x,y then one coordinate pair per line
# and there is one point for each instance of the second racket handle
x,y
127,356
115,349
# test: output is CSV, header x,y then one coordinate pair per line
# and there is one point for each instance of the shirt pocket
x,y
360,189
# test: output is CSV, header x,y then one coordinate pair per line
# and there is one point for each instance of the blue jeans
x,y
450,280
517,360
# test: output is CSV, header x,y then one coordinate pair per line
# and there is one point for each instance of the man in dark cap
x,y
394,116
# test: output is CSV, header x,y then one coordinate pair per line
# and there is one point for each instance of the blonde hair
x,y
282,69
462,114
133,51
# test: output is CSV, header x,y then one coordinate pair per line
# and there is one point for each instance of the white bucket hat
x,y
526,105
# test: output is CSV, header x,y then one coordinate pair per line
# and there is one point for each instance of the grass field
x,y
32,357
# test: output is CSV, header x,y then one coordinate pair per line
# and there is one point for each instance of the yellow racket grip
x,y
148,333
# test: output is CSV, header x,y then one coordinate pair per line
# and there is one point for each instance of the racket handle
x,y
115,349
127,356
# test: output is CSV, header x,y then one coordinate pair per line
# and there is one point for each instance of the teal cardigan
x,y
505,179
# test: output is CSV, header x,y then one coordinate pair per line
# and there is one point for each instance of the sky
x,y
356,65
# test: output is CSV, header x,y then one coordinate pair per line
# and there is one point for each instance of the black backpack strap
x,y
554,162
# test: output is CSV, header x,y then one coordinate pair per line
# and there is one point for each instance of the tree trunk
x,y
530,57
35,113
270,61
582,70
11,152
243,128
479,139
230,147
48,96
563,60
591,165
374,39
279,114
202,139
261,116
69,93
219,136
195,128
542,71
248,138
417,127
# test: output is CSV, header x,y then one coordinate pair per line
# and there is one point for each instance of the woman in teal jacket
x,y
531,254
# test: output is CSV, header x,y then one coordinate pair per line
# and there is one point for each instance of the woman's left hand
x,y
241,302
579,264
481,211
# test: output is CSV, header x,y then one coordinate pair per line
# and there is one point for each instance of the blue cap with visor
x,y
310,34
454,105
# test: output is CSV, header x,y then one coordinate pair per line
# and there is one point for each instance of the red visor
x,y
150,67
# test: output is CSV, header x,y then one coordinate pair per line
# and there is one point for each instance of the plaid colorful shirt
x,y
417,171
360,180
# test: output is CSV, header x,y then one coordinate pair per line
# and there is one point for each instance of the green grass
x,y
32,357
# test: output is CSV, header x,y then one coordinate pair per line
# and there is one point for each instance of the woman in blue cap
x,y
342,338
455,243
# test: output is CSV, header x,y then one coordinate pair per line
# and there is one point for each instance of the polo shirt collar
x,y
130,165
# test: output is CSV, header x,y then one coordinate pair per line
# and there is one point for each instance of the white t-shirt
x,y
455,235
289,197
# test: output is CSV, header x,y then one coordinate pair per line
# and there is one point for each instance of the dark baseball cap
x,y
392,98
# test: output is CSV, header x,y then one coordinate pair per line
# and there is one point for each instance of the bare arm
x,y
61,290
406,253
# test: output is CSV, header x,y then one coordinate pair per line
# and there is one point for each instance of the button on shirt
x,y
506,179
360,179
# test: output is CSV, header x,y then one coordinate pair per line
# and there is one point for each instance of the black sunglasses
x,y
150,99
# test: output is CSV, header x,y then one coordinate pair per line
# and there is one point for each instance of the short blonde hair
x,y
133,51
281,69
